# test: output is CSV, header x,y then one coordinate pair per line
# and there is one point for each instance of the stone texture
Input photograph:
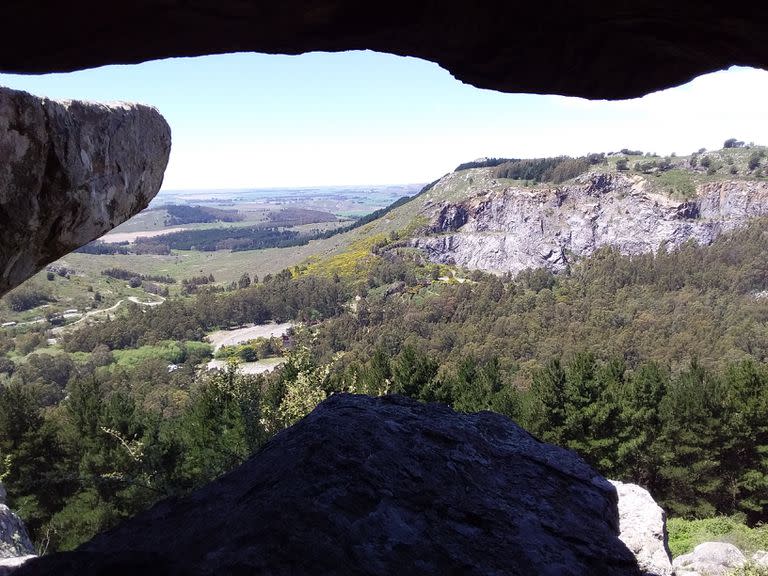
x,y
378,486
593,49
760,558
14,539
69,172
709,559
507,229
643,526
10,565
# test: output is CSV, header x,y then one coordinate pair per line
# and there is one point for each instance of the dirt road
x,y
238,336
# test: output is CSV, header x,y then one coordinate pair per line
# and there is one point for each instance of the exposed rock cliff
x,y
14,539
69,172
379,486
507,229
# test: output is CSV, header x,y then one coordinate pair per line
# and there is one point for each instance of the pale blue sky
x,y
255,120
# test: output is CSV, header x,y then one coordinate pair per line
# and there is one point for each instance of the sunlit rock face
x,y
378,486
69,172
14,539
644,529
515,228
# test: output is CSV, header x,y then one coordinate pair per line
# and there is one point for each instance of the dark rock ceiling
x,y
593,49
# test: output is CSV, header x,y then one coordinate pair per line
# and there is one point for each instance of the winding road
x,y
112,308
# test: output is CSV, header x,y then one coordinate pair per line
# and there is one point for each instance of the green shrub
x,y
750,569
25,343
251,351
197,352
26,297
685,535
169,351
677,183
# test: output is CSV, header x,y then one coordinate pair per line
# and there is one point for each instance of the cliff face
x,y
510,229
69,172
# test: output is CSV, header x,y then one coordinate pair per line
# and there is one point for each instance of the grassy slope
x,y
685,535
680,182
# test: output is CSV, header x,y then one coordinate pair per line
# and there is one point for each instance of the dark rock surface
x,y
378,486
594,49
69,172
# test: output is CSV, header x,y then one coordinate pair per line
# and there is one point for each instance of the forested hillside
x,y
652,364
653,367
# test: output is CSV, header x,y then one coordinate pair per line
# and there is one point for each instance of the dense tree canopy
x,y
652,367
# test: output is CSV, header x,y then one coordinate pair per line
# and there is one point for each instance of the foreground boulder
x,y
378,486
760,558
14,539
11,565
710,559
69,172
643,526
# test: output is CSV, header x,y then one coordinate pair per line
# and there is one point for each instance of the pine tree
x,y
412,372
744,459
640,424
544,411
690,444
590,409
376,376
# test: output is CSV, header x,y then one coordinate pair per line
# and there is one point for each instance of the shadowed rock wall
x,y
378,486
593,49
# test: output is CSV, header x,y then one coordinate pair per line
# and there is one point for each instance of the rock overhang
x,y
595,49
69,172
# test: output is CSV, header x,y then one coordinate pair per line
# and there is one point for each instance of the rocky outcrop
x,y
69,172
760,558
709,559
593,49
9,566
510,229
643,526
379,486
14,539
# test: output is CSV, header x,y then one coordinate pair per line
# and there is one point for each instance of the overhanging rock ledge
x,y
69,172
